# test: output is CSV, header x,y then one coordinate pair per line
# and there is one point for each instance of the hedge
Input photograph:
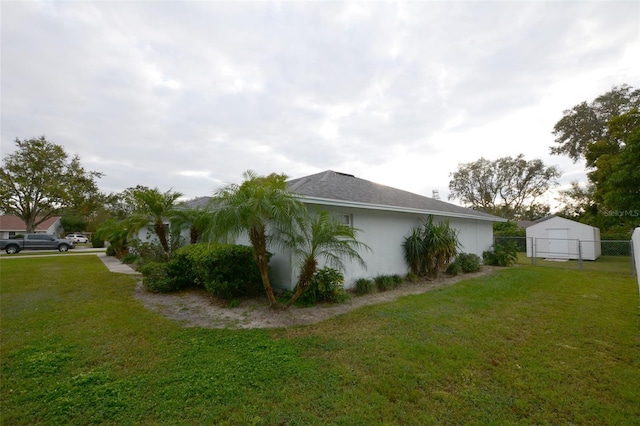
x,y
226,270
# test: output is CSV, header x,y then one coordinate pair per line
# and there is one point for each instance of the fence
x,y
605,255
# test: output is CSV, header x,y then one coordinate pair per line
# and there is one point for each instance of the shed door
x,y
558,242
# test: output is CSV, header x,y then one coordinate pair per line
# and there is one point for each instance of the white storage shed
x,y
555,237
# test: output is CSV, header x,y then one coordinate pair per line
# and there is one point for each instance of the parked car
x,y
36,242
77,238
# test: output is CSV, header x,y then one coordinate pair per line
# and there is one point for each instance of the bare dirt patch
x,y
197,308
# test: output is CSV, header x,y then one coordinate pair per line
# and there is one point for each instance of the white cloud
x,y
188,95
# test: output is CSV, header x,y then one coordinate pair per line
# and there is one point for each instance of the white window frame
x,y
346,219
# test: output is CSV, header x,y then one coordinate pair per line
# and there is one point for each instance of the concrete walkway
x,y
116,266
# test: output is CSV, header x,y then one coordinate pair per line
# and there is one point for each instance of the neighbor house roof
x,y
341,189
14,223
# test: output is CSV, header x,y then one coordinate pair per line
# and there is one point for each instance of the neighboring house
x,y
385,216
555,237
13,225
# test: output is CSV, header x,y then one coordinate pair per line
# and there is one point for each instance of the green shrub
x,y
111,251
363,286
225,270
386,282
469,262
465,262
520,242
412,277
397,279
128,259
327,285
430,248
96,242
501,255
454,268
156,278
148,251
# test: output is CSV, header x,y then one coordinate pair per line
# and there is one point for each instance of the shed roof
x,y
553,216
334,188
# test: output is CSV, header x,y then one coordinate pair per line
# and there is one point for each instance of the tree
x,y
259,206
509,187
154,207
586,124
431,247
40,180
117,233
321,237
617,171
579,202
72,223
195,219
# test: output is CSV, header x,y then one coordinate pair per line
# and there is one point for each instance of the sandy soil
x,y
197,308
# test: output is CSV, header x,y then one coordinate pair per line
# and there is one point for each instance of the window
x,y
346,219
12,234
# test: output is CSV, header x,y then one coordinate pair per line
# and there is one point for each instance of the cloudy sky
x,y
188,95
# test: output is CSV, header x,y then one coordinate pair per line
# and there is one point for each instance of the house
x,y
13,225
555,237
384,216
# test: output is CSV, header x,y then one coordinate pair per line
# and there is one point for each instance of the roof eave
x,y
359,205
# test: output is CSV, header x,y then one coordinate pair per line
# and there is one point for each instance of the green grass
x,y
525,345
71,252
616,264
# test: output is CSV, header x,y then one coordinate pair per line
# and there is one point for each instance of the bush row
x,y
225,270
380,282
465,262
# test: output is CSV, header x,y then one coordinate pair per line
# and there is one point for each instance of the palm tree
x,y
322,236
116,232
195,219
153,206
258,206
431,247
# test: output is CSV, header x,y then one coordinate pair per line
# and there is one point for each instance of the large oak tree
x,y
40,179
508,187
588,123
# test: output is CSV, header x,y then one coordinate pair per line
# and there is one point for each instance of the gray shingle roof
x,y
347,188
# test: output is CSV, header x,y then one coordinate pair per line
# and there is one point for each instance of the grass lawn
x,y
617,264
525,345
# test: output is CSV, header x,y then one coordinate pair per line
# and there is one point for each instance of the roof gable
x,y
330,185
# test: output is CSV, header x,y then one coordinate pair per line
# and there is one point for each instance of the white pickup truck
x,y
36,242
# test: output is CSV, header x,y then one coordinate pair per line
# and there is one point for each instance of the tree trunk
x,y
29,221
308,270
194,234
161,232
261,256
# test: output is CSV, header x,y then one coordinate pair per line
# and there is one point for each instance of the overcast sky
x,y
189,95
